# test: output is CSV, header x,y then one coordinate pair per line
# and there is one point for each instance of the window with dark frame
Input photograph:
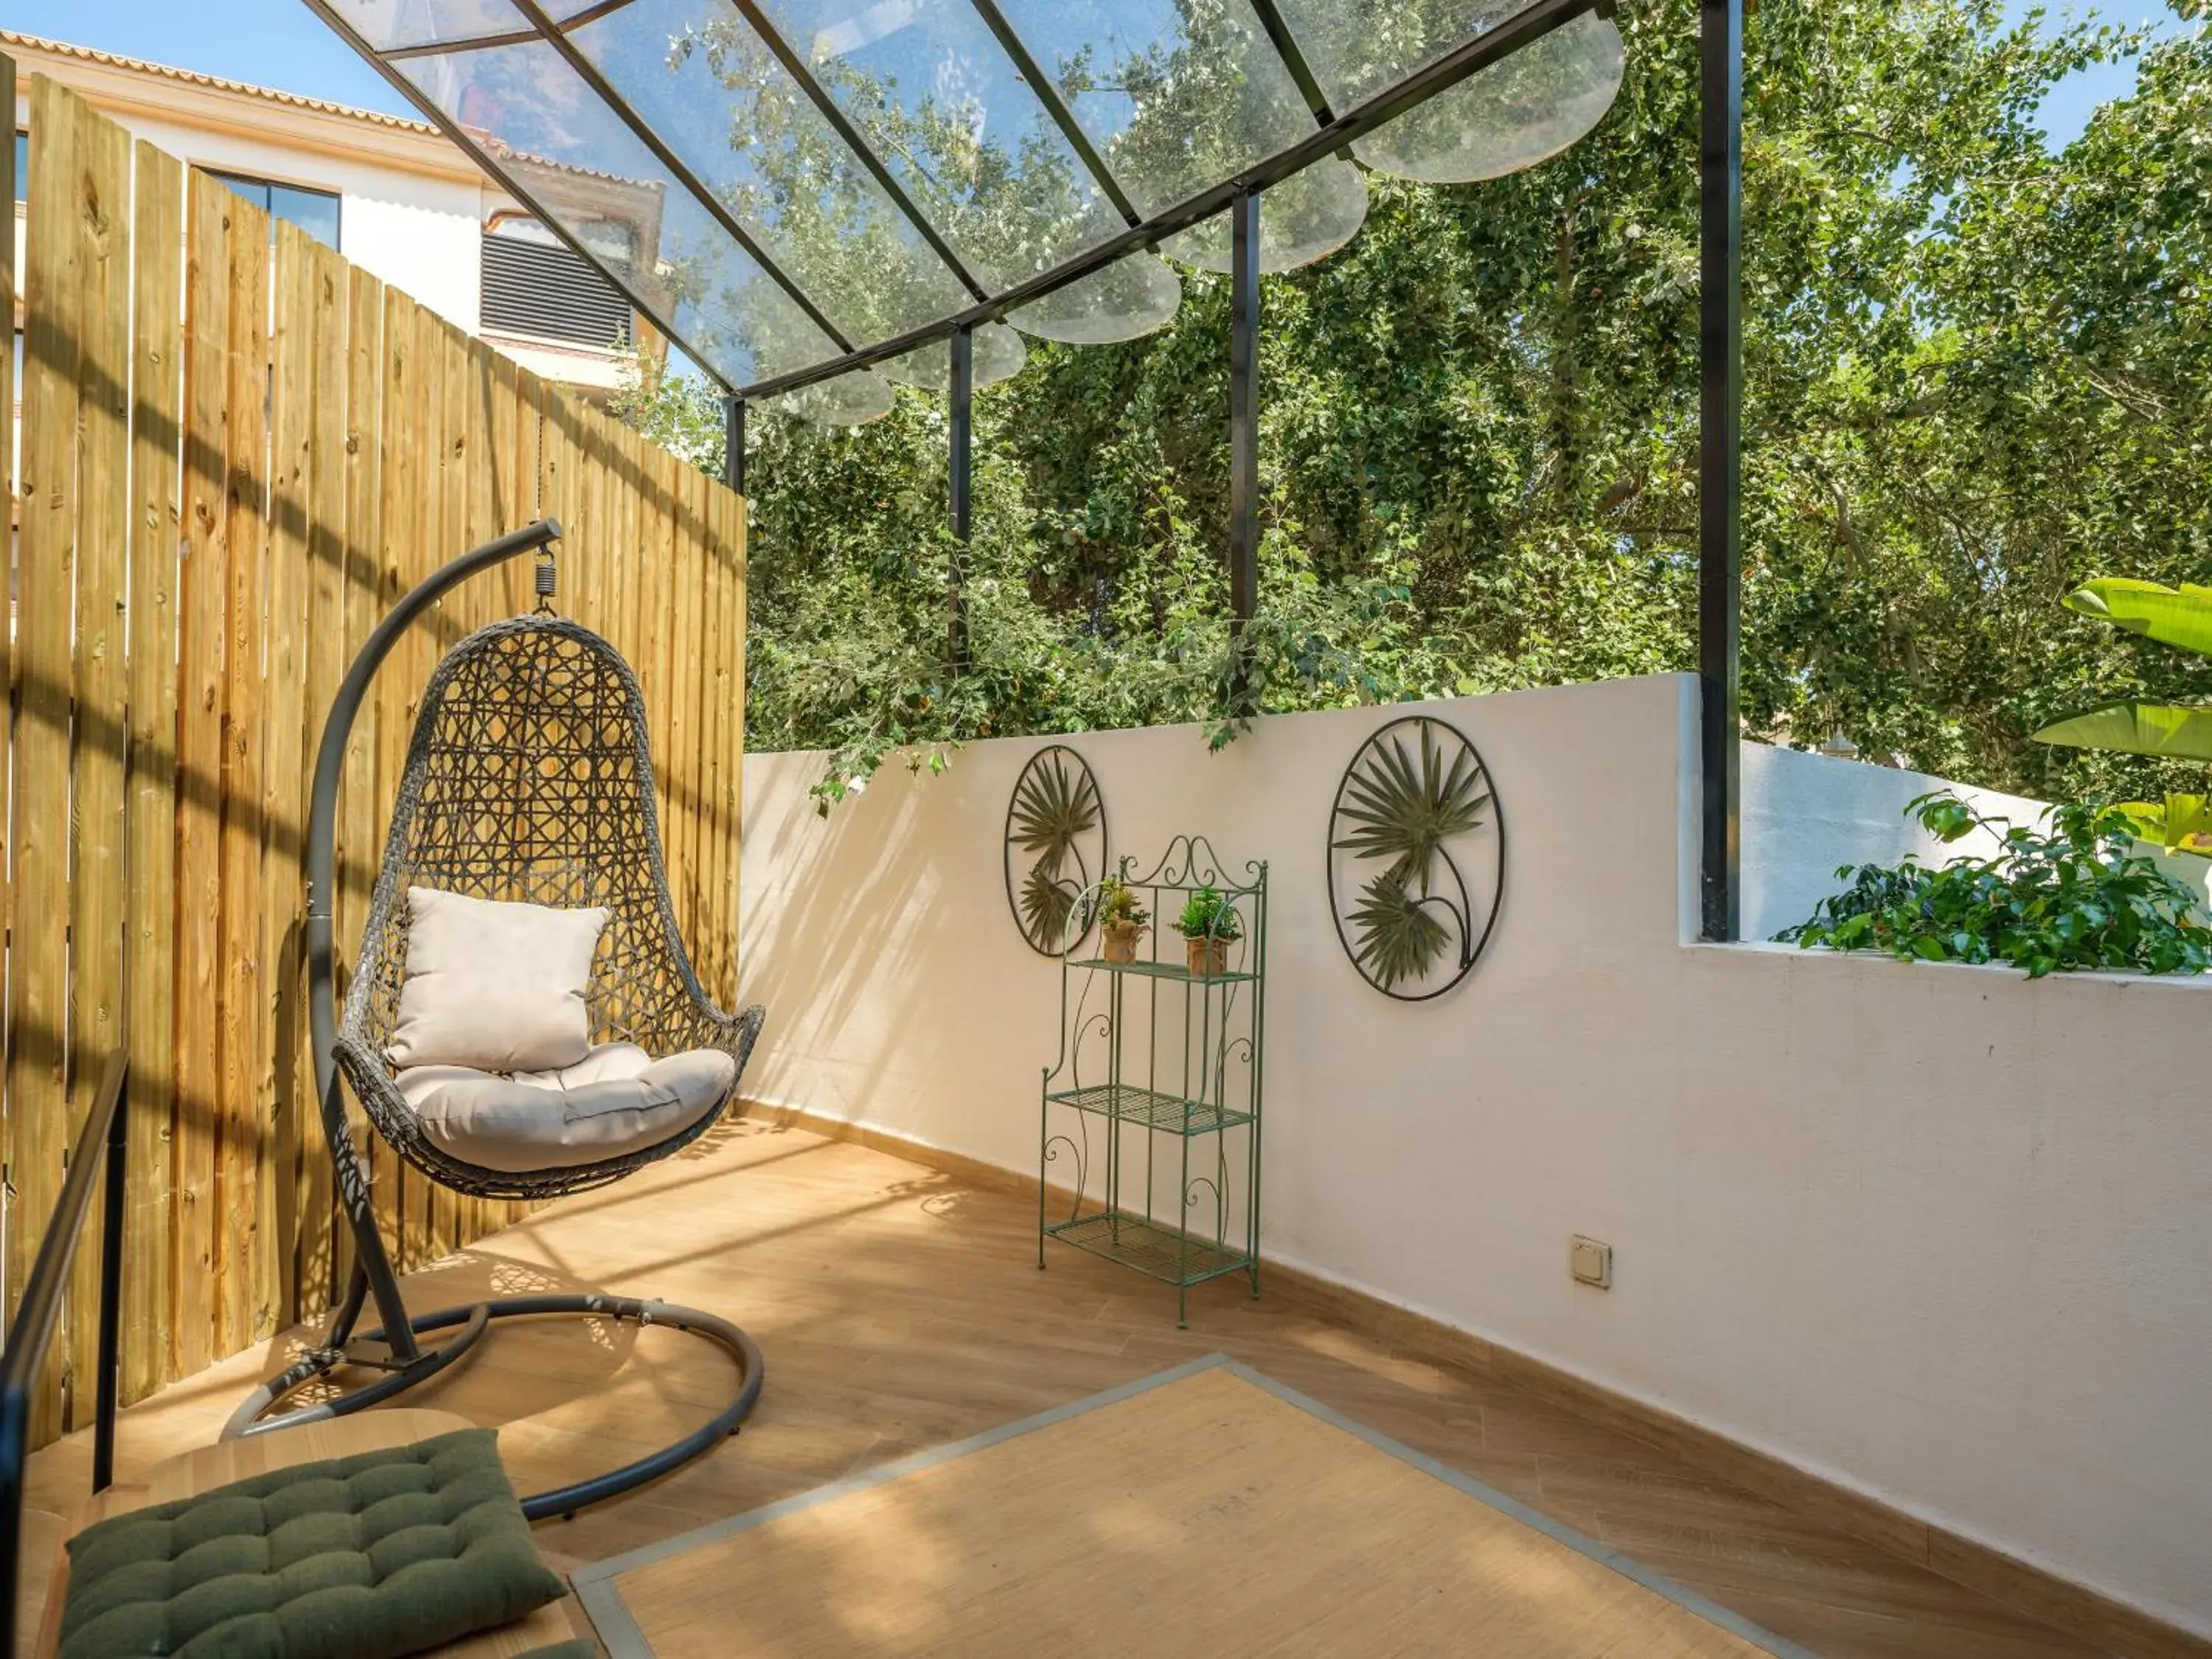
x,y
315,211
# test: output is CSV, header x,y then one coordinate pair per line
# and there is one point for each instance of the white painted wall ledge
x,y
1936,1232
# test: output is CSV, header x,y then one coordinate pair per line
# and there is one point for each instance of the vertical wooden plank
x,y
472,512
157,525
9,287
685,739
658,560
626,610
202,594
323,662
244,1257
737,541
404,406
726,741
448,538
712,917
53,291
358,838
286,628
98,863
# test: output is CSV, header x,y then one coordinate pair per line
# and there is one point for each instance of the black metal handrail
x,y
24,1359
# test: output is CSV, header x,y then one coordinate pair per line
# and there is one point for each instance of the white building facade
x,y
396,196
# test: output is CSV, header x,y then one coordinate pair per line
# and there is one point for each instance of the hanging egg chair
x,y
528,791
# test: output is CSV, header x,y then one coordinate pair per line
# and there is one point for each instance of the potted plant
x,y
1208,923
1121,920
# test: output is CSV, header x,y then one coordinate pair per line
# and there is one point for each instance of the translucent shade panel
x,y
999,354
1357,48
1177,95
1131,297
1306,217
551,135
388,24
850,399
929,87
1510,116
707,87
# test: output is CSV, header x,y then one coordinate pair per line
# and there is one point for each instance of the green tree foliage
x,y
1975,376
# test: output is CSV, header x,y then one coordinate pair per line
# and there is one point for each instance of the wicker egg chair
x,y
529,778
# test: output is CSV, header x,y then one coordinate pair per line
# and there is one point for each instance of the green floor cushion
x,y
368,1557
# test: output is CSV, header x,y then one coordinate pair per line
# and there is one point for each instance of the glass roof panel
x,y
1357,48
999,355
1307,217
929,87
1509,116
388,24
699,77
1131,297
1176,95
853,399
559,143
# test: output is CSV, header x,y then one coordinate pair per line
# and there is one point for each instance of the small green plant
x,y
1207,914
2070,894
1118,904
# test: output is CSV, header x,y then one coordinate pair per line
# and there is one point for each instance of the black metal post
x,y
111,1291
963,473
733,443
1243,435
369,1254
1720,544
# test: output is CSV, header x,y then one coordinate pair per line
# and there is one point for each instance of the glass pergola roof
x,y
809,196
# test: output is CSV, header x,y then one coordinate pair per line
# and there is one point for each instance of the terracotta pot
x,y
1208,956
1120,939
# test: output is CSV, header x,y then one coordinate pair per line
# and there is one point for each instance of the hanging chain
x,y
545,574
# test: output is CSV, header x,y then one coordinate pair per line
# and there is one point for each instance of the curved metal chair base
x,y
475,1319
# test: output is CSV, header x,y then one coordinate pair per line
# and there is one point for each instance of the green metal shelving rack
x,y
1156,1088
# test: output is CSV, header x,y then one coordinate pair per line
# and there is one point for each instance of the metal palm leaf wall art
x,y
1056,847
1416,857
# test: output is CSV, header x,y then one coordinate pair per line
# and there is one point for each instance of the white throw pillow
x,y
494,986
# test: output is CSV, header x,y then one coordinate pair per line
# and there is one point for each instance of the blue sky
x,y
280,43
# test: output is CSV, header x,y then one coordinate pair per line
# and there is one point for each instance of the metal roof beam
x,y
818,95
510,37
678,167
1440,75
1056,106
1287,48
476,153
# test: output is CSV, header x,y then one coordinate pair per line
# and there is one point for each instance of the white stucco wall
x,y
1804,816
418,232
1936,1233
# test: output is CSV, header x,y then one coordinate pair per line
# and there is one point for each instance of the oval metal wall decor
x,y
1416,857
1056,848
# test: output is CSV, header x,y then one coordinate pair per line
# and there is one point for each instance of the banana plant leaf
x,y
2178,617
2137,728
2180,823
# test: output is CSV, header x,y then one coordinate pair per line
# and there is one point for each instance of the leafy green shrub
x,y
2070,894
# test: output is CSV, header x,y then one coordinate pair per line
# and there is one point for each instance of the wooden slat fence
x,y
236,450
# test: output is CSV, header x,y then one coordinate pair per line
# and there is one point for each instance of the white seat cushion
x,y
615,1101
494,986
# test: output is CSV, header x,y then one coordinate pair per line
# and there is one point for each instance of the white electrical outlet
x,y
1590,1260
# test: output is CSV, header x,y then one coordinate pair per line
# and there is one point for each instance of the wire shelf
x,y
1131,1104
1163,970
1167,1253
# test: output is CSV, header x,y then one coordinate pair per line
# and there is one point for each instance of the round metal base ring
x,y
474,1319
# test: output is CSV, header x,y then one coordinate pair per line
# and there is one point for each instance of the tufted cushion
x,y
618,1100
368,1557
